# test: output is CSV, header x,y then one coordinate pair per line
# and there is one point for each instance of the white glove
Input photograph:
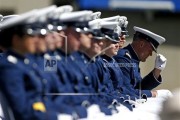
x,y
141,101
65,117
94,113
164,93
160,62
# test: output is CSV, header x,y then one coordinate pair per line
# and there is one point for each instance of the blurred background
x,y
159,16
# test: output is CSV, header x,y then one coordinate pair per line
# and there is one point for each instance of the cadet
x,y
3,18
144,43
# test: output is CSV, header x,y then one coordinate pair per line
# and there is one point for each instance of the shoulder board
x,y
105,60
127,54
47,56
12,59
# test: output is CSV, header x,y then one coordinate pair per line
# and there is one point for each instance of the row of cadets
x,y
82,71
116,74
70,20
107,32
143,88
109,36
76,21
68,104
26,34
124,85
36,29
23,86
45,46
76,40
71,100
72,59
129,58
73,21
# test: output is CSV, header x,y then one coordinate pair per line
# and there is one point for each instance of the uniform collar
x,y
15,54
1,55
61,53
107,58
132,52
84,56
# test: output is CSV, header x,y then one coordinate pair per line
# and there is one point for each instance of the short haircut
x,y
6,35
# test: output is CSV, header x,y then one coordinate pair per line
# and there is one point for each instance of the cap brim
x,y
98,38
113,40
155,49
125,33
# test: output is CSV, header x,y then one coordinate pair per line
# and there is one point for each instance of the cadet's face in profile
x,y
41,44
146,51
73,42
122,41
113,48
96,46
28,44
85,40
60,38
50,41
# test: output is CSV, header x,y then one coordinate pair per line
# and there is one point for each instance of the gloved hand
x,y
94,112
64,117
160,62
164,93
141,101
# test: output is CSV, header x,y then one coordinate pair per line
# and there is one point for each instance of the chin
x,y
144,60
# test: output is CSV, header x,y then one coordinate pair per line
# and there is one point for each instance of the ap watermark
x,y
50,64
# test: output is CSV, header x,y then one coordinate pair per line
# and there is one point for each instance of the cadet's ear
x,y
15,40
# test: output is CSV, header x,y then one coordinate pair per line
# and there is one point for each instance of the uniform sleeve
x,y
149,82
128,82
104,77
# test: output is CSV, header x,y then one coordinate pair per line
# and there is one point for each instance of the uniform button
x,y
99,90
44,81
26,61
87,79
34,65
76,88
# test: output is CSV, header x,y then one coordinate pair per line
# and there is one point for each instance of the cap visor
x,y
155,50
113,40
